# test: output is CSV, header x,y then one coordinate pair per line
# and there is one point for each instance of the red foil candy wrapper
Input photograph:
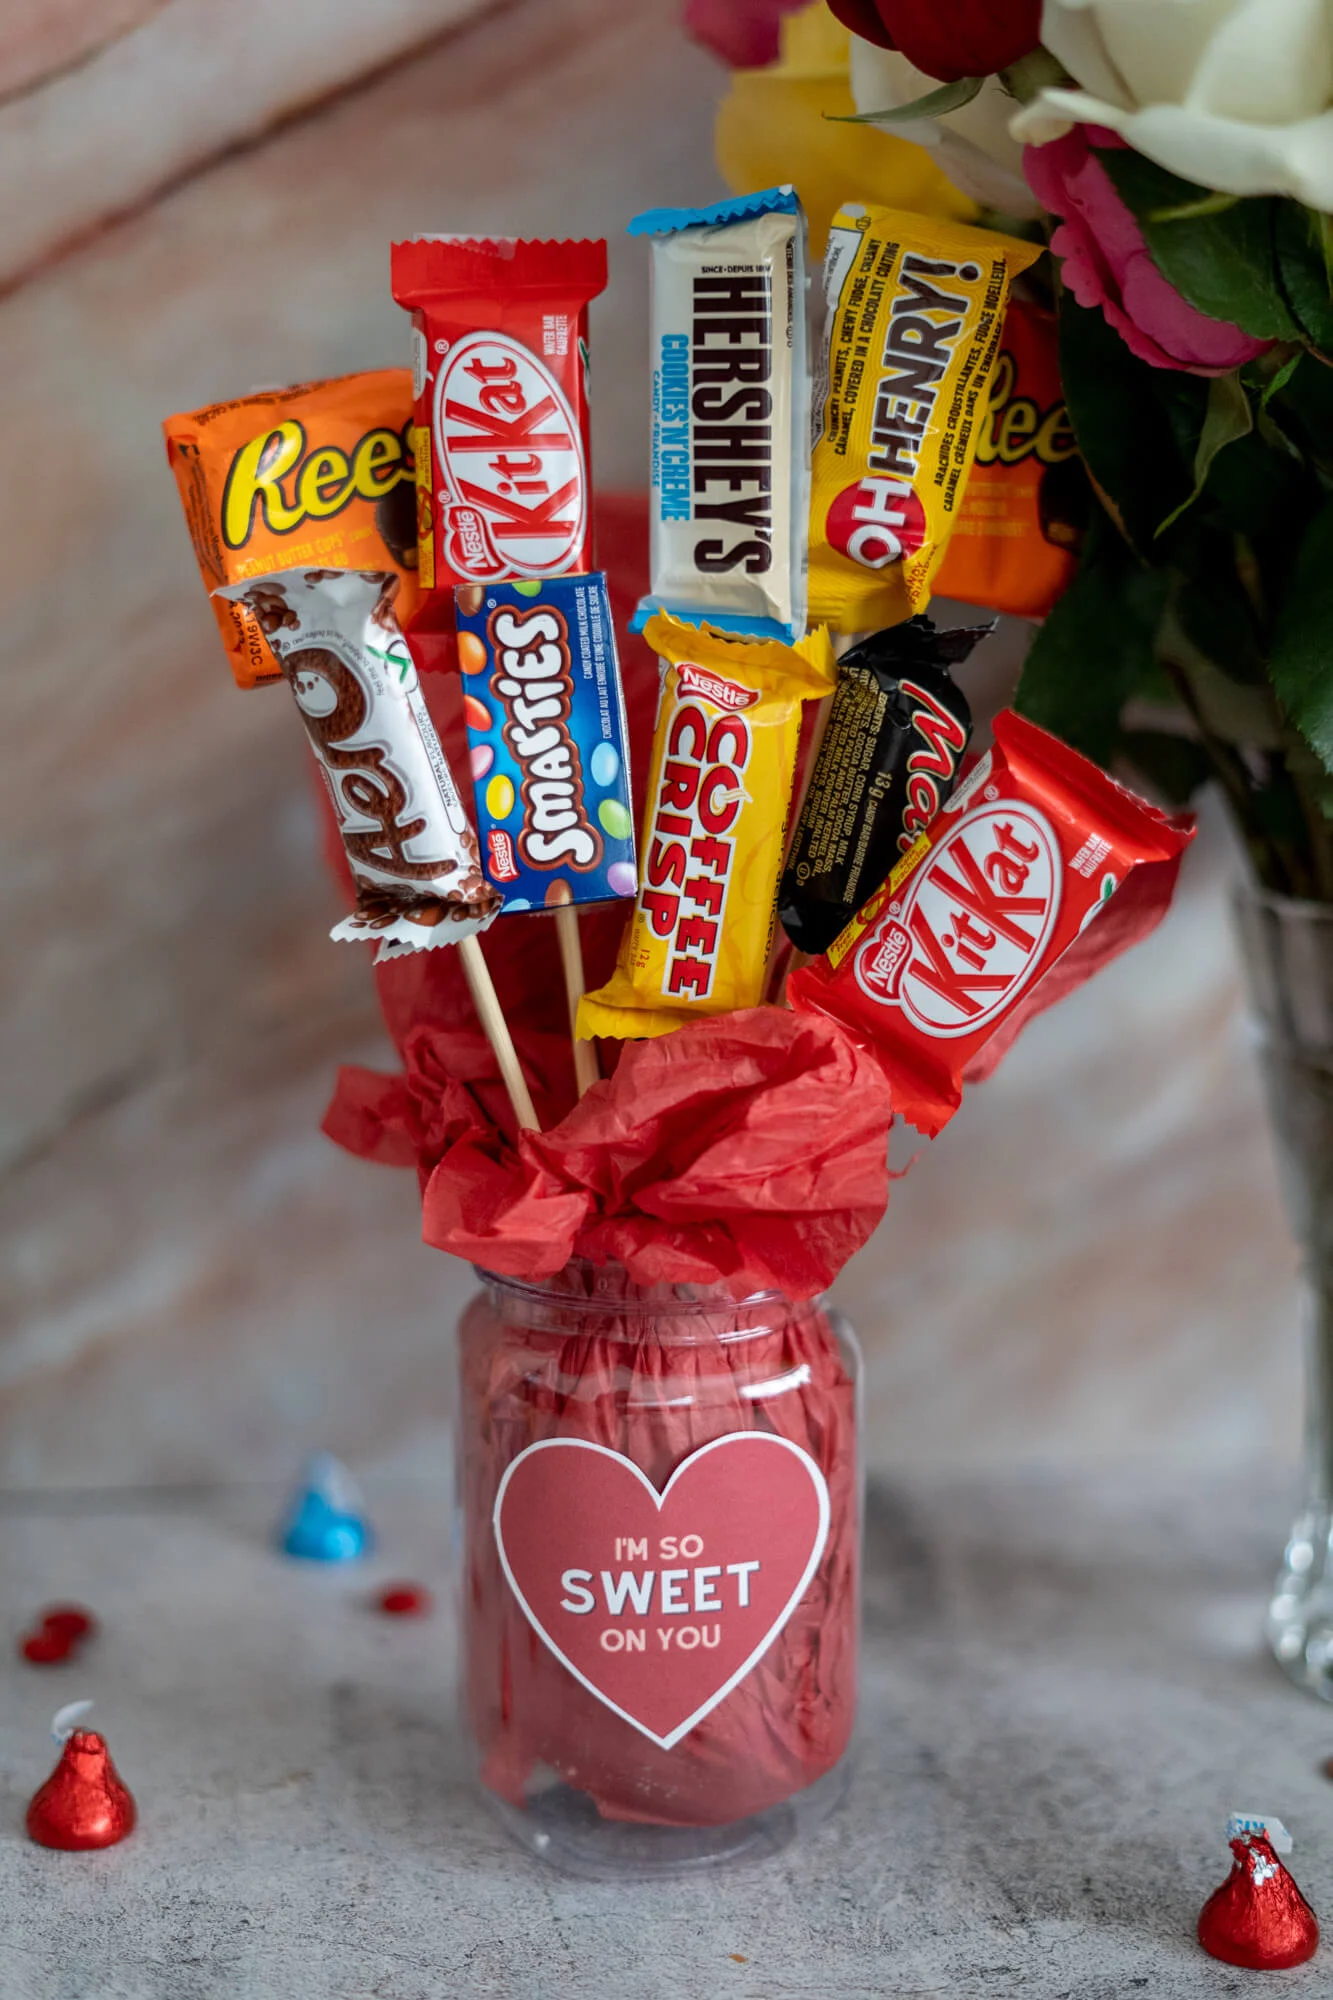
x,y
500,345
1038,871
1258,1918
84,1803
56,1633
710,1736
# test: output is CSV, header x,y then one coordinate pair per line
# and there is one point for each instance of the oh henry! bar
x,y
983,908
915,307
731,413
546,725
406,835
319,473
715,820
500,355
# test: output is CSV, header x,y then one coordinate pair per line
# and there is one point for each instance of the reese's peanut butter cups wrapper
x,y
1015,542
316,475
714,830
915,307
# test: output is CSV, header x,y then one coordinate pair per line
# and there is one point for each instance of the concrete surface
x,y
1064,1696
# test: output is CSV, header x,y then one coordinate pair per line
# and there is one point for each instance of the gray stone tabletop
x,y
1064,1695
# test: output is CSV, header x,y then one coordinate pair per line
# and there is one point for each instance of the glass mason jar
x,y
661,1576
1287,951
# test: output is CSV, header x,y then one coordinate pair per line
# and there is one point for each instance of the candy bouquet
x,y
648,1085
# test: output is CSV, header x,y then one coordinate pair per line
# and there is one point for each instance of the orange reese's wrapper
x,y
318,474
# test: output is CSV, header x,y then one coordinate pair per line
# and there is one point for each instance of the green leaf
x,y
1131,421
1185,211
1224,261
1300,656
935,104
1227,417
1277,383
1304,407
1303,251
1095,648
1266,497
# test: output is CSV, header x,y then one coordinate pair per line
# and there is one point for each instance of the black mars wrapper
x,y
889,759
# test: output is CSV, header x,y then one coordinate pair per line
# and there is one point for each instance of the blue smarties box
x,y
546,734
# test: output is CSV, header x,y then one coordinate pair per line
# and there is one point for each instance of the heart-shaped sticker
x,y
661,1603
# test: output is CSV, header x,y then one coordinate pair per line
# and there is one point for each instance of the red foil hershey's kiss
x,y
1258,1918
84,1803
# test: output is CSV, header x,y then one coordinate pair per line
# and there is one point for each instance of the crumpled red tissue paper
x,y
750,1151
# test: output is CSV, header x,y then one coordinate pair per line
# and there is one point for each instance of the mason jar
x,y
660,1582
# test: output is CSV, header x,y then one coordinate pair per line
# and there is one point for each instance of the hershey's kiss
x,y
1258,1918
84,1803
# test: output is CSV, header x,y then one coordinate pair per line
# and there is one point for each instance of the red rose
x,y
947,38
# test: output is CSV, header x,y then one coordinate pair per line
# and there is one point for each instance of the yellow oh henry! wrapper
x,y
714,831
915,307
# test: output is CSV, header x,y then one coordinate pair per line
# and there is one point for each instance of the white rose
x,y
973,145
1234,94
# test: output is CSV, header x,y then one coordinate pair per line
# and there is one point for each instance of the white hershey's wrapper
x,y
407,838
731,424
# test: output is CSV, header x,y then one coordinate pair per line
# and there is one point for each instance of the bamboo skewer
x,y
487,1004
586,1070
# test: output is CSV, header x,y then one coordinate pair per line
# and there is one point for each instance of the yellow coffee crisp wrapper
x,y
714,830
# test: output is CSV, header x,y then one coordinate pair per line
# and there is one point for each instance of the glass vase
x,y
1287,951
661,1521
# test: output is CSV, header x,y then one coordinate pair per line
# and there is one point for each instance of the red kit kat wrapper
x,y
499,376
1038,871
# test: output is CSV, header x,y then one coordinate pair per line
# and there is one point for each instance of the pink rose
x,y
745,33
1106,263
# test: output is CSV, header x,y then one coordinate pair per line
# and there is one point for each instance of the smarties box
x,y
546,730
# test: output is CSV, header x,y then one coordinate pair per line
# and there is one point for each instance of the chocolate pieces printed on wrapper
x,y
406,835
731,417
1015,540
545,719
318,473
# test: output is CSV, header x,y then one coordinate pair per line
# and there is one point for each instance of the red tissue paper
x,y
750,1151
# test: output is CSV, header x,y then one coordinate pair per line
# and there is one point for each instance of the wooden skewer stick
x,y
487,1004
586,1071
